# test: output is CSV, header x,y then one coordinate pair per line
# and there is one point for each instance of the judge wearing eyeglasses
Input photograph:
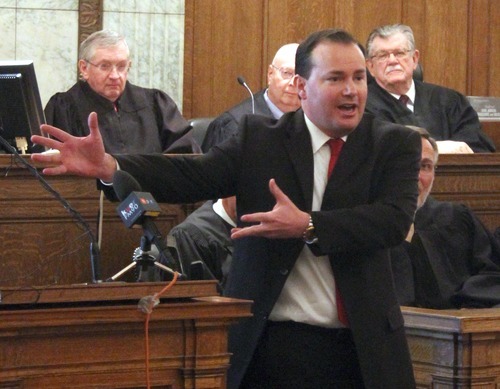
x,y
278,98
395,96
132,119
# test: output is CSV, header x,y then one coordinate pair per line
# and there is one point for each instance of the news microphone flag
x,y
137,206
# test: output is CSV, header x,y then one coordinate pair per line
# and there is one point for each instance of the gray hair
x,y
103,38
424,134
387,31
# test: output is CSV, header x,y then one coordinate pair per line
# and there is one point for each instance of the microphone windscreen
x,y
124,184
241,80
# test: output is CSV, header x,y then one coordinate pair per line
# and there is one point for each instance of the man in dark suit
x,y
279,97
446,114
449,259
301,236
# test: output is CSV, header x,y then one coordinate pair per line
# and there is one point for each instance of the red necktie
x,y
335,147
404,100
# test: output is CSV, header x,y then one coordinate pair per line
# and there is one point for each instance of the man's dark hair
x,y
303,61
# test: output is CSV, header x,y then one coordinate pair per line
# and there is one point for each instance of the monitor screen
x,y
21,112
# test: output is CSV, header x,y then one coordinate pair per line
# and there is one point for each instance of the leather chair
x,y
200,126
418,73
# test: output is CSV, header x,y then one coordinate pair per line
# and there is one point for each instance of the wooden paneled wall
x,y
459,41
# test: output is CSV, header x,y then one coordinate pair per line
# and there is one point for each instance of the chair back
x,y
200,126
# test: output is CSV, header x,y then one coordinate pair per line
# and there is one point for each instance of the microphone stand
x,y
242,82
146,261
138,208
95,255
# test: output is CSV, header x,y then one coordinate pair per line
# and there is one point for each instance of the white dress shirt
x,y
308,295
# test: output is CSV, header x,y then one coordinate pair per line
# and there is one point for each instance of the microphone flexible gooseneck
x,y
95,255
242,82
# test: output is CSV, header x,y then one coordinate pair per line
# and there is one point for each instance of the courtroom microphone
x,y
242,81
95,254
139,208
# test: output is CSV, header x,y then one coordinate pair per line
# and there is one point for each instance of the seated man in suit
x,y
278,98
445,113
449,259
204,237
132,119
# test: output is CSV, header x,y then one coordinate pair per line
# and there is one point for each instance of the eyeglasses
x,y
384,55
107,68
285,73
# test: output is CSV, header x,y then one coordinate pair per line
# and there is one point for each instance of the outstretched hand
x,y
83,156
284,221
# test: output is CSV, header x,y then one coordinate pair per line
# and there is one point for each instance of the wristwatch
x,y
309,235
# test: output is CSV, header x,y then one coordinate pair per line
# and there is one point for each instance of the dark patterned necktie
x,y
404,100
335,148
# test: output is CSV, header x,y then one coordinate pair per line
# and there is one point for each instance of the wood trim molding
x,y
89,21
89,18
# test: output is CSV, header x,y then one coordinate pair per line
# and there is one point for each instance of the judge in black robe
x,y
445,113
226,124
279,97
394,94
142,120
204,237
453,261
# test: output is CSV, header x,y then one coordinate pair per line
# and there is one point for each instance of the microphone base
x,y
146,256
146,264
145,271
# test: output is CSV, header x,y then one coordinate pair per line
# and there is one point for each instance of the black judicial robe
x,y
445,113
206,237
226,124
147,120
463,255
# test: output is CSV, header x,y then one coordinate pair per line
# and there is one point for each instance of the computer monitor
x,y
21,112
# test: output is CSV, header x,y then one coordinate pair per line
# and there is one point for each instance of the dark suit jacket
x,y
463,255
368,206
445,113
226,124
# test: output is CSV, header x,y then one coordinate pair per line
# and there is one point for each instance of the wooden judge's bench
x,y
42,244
56,331
454,349
59,330
94,336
